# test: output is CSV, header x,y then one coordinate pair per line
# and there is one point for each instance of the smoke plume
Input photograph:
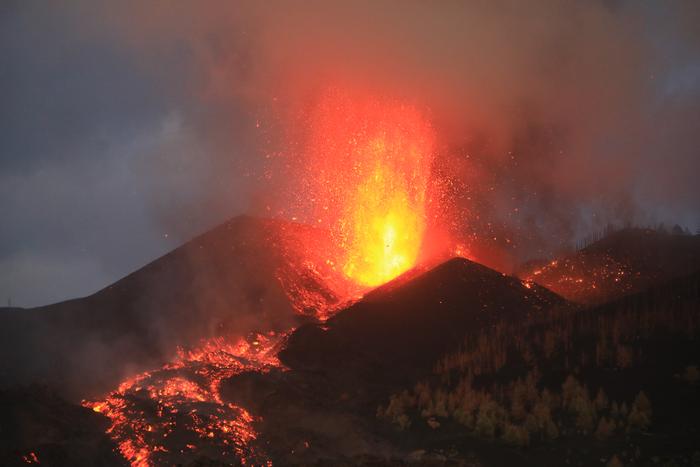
x,y
554,118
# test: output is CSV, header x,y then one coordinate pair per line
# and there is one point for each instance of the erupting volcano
x,y
277,351
350,233
368,165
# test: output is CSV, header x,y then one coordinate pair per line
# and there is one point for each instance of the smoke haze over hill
x,y
126,122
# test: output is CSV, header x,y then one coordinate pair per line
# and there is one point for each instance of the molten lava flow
x,y
370,162
311,281
163,417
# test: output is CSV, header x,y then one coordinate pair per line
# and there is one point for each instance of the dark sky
x,y
127,128
77,117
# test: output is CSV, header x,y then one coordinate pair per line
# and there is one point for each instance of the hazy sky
x,y
127,128
94,157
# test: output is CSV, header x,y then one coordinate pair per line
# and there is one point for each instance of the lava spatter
x,y
368,166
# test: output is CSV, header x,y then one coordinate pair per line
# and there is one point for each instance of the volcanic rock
x,y
407,326
38,427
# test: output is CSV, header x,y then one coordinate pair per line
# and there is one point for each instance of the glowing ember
x,y
370,162
30,458
587,279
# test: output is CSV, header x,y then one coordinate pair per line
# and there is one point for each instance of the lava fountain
x,y
369,164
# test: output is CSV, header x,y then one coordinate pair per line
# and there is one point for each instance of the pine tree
x,y
605,429
640,414
601,400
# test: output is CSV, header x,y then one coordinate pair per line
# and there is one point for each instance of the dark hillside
x,y
38,427
622,263
407,326
620,379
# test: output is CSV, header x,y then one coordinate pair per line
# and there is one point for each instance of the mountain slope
x,y
226,281
622,263
406,327
321,410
